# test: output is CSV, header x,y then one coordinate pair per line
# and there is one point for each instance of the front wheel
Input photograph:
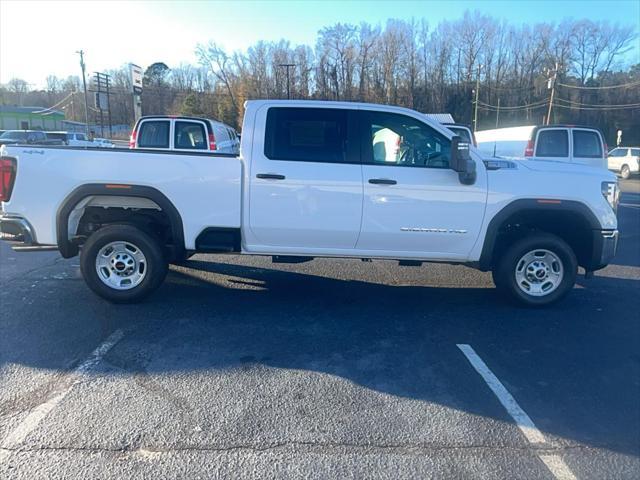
x,y
537,270
625,172
122,263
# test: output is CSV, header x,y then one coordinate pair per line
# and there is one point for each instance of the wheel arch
x,y
69,249
548,209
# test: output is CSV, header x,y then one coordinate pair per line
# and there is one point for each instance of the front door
x,y
305,181
414,204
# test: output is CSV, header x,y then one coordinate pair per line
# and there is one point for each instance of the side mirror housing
x,y
462,162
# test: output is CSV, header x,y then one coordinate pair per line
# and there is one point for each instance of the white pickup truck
x,y
313,179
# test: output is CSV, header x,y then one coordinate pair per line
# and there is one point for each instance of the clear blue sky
x,y
117,32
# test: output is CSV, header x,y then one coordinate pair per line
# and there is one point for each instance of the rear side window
x,y
306,134
586,144
635,152
190,135
154,134
553,143
80,136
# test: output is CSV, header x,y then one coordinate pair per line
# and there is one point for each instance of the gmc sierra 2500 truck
x,y
313,179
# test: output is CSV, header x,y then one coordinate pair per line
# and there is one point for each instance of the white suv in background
x,y
189,134
73,139
624,160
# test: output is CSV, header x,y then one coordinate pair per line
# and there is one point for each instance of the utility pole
x,y
287,66
475,114
498,113
86,101
551,84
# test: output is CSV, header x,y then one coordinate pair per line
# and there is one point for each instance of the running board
x,y
290,259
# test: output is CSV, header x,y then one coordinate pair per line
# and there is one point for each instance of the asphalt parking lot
x,y
238,367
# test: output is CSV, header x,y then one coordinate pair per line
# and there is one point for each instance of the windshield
x,y
14,135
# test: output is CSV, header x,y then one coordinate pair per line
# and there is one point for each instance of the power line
x,y
623,107
623,85
599,105
536,104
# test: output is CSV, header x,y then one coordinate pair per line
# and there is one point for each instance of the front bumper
x,y
605,244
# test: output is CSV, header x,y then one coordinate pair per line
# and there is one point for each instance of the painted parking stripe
x,y
16,437
524,423
554,463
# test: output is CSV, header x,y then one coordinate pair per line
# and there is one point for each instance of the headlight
x,y
611,192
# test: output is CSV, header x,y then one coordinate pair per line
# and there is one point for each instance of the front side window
x,y
553,143
190,135
80,136
586,144
154,134
306,134
394,139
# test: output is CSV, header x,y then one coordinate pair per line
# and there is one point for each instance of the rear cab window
x,y
552,143
154,134
586,144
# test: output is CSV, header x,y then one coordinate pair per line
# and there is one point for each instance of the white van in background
x,y
559,143
168,132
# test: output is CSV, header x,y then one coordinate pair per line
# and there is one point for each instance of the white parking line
x,y
554,463
15,438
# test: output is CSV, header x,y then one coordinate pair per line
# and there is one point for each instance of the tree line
x,y
429,68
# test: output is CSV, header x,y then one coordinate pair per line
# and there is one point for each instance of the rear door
x,y
552,144
154,134
305,181
587,147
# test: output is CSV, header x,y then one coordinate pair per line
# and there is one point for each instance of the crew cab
x,y
313,179
558,143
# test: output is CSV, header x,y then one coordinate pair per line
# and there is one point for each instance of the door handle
x,y
270,176
382,181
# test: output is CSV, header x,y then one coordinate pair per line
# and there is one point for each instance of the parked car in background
x,y
163,132
103,143
559,143
624,160
29,137
73,139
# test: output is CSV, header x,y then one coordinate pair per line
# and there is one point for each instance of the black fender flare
x,y
531,204
68,249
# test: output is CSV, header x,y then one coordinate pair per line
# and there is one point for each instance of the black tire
x,y
504,273
625,172
156,264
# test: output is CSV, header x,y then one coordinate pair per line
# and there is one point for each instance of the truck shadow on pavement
x,y
397,340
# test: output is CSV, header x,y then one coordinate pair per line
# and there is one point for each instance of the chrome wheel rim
x,y
539,272
121,265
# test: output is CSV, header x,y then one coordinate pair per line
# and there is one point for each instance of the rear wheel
x,y
625,172
122,263
537,270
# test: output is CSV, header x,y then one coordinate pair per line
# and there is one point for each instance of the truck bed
x,y
46,175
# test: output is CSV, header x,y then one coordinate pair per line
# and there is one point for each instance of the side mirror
x,y
462,162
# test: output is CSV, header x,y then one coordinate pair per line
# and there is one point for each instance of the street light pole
x,y
86,101
287,66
